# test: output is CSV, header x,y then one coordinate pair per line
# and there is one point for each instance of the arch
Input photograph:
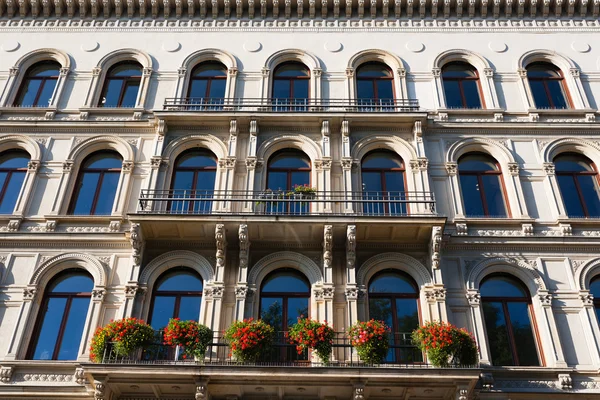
x,y
387,142
399,261
117,56
477,144
204,55
518,268
385,57
285,259
176,258
183,143
571,145
300,142
22,142
49,268
35,56
549,56
476,60
586,273
98,143
308,59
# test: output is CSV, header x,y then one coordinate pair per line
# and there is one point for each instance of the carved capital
x,y
33,166
13,71
147,71
451,168
565,382
436,72
214,292
96,71
513,168
522,72
574,72
29,293
67,166
350,72
474,298
241,292
549,168
587,299
98,294
488,72
545,298
64,71
127,166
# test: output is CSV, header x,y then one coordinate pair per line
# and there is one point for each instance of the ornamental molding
x,y
89,145
289,259
586,272
171,259
6,374
490,146
55,264
398,261
137,242
521,269
42,378
588,147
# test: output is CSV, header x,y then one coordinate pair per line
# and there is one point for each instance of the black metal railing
x,y
281,353
289,105
283,202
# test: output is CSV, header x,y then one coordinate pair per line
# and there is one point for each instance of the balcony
x,y
215,105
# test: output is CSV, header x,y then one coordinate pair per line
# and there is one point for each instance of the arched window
x,y
121,85
482,186
382,174
461,86
194,179
374,84
284,297
547,86
509,321
13,168
578,182
291,82
394,298
207,83
595,291
62,316
177,294
37,88
287,169
96,185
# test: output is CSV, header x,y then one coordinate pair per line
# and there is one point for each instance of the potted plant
x,y
445,344
125,335
249,338
194,337
305,191
370,339
310,334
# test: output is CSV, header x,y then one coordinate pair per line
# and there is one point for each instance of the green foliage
x,y
248,339
445,344
371,340
310,334
194,337
126,335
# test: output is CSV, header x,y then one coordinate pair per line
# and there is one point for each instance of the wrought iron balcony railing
x,y
290,105
281,353
282,202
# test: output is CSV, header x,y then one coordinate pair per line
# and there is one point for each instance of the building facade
x,y
409,161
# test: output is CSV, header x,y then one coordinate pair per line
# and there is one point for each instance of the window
x,y
287,169
382,175
374,84
37,88
177,294
13,168
291,87
62,317
121,85
207,83
97,184
394,298
547,86
461,86
595,291
482,186
284,297
194,180
509,321
578,182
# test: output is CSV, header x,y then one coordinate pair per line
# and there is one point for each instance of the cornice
x,y
62,244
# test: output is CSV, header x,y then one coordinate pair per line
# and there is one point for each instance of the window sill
x,y
495,221
28,113
101,113
470,111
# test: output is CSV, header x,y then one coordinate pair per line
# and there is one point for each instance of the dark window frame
x,y
291,79
545,80
510,331
40,318
481,186
374,80
101,171
289,170
574,176
11,171
209,79
382,177
126,81
44,80
596,298
460,81
195,170
178,294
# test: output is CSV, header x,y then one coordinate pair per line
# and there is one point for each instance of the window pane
x,y
291,70
452,93
469,187
365,89
381,309
198,88
292,161
570,196
407,315
385,89
181,281
210,69
72,283
595,288
126,69
73,329
106,195
288,282
86,192
540,97
373,70
497,334
183,180
501,286
205,182
189,308
523,334
372,181
162,311
591,194
297,307
48,333
45,69
477,163
281,89
29,91
14,160
301,88
217,88
277,180
394,182
494,195
111,95
381,160
391,282
196,159
471,91
46,93
11,194
104,160
271,311
130,95
557,93
300,178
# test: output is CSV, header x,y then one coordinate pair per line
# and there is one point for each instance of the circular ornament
x,y
415,47
252,46
581,47
498,47
333,47
10,45
171,46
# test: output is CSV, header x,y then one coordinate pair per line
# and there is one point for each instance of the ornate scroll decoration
x,y
436,246
135,237
350,246
221,246
327,246
244,245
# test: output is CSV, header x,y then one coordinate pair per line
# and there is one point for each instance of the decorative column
x,y
350,87
515,185
525,89
439,88
23,325
144,85
131,290
181,83
490,89
323,170
352,290
10,88
590,325
92,322
551,184
26,188
62,187
60,86
210,315
241,289
220,238
457,204
324,296
224,183
346,163
474,299
554,358
232,74
436,303
122,194
251,165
